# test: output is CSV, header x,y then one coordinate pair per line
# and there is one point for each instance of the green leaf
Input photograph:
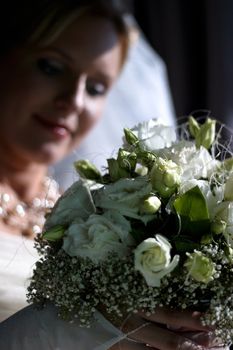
x,y
54,234
185,245
193,211
192,204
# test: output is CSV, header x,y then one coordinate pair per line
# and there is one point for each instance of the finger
x,y
207,339
163,339
176,318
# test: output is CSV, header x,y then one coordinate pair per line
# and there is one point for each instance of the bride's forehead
x,y
87,32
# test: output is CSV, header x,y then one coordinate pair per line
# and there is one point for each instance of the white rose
x,y
200,267
152,258
98,236
75,202
153,135
125,195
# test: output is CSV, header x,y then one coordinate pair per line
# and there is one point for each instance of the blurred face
x,y
52,96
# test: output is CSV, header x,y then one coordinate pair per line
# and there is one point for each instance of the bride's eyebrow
x,y
105,77
56,50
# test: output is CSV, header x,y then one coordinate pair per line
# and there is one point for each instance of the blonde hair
x,y
42,21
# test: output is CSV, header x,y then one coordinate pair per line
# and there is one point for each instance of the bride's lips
x,y
57,129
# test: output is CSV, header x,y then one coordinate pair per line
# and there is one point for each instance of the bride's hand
x,y
166,329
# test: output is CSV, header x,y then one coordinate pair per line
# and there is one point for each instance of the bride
x,y
58,61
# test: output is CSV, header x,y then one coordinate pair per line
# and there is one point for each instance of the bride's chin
x,y
48,154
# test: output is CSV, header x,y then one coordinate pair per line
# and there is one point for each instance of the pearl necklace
x,y
29,218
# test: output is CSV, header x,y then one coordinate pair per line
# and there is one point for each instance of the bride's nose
x,y
72,98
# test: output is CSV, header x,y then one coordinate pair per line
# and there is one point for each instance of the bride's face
x,y
51,96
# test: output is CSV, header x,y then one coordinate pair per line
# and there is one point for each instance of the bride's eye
x,y
96,88
49,66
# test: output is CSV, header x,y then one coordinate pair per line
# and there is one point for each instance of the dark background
x,y
195,39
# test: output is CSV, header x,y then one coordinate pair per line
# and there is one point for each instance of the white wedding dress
x,y
30,329
17,259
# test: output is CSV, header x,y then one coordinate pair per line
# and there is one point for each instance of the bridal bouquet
x,y
155,229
